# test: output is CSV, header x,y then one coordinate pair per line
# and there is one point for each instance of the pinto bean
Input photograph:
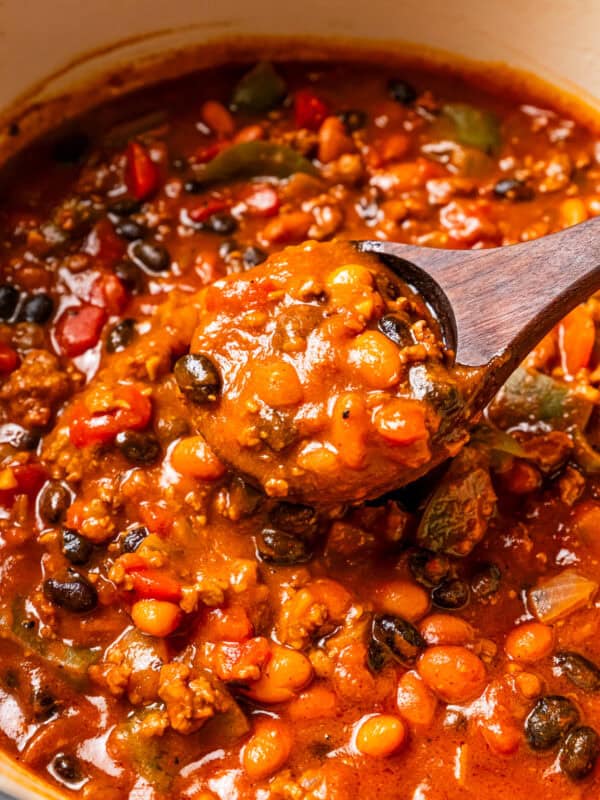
x,y
454,673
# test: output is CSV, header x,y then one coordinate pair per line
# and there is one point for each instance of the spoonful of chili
x,y
334,372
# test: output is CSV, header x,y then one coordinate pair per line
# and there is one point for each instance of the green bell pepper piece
x,y
261,89
474,127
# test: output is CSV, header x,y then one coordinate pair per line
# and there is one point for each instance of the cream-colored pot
x,y
51,50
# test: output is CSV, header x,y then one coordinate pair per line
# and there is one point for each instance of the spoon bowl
x,y
335,372
494,305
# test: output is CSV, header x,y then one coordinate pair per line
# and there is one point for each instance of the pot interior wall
x,y
547,37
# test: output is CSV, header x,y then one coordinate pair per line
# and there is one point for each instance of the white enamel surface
x,y
554,39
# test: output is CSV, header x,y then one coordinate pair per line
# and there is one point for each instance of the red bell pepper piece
x,y
78,329
309,110
103,244
207,209
8,359
126,409
155,584
141,173
109,293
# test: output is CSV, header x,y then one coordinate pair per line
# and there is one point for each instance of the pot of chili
x,y
166,630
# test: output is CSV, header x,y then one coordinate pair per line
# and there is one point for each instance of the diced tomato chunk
x,y
227,625
157,518
309,110
29,479
8,359
238,295
235,661
132,561
141,173
263,202
155,583
126,409
79,328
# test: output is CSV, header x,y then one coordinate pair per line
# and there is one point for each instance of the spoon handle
x,y
506,299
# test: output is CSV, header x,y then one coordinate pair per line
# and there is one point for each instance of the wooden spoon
x,y
495,305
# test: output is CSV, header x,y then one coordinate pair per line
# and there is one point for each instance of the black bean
x,y
74,594
18,437
130,230
582,672
452,594
228,247
402,91
428,568
45,703
276,428
138,447
221,223
75,547
353,119
124,207
579,753
133,539
401,638
549,720
429,383
295,519
9,297
121,335
279,547
244,499
170,428
150,257
295,323
11,679
194,187
486,581
396,329
37,308
377,656
55,499
71,149
67,768
130,276
253,256
512,189
387,286
198,378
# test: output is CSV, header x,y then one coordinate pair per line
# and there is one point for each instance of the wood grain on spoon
x,y
496,305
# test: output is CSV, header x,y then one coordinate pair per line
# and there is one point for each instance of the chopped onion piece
x,y
557,597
